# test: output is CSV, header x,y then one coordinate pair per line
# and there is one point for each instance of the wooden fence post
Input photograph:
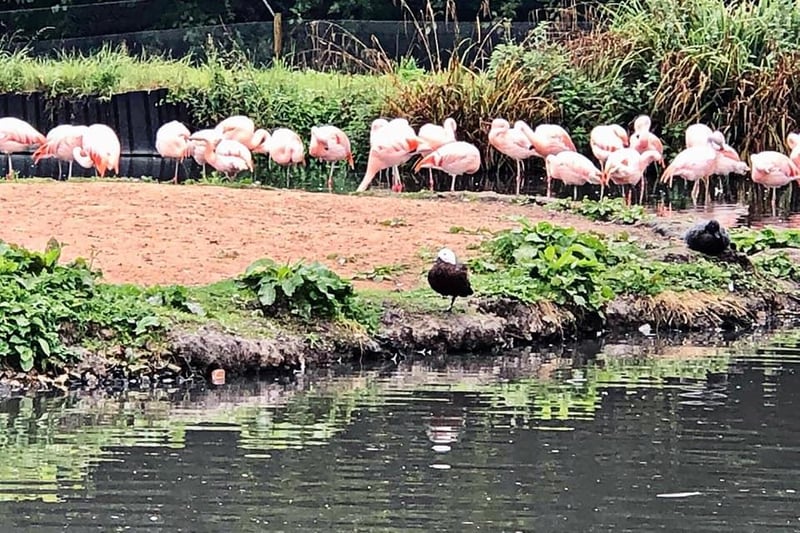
x,y
277,35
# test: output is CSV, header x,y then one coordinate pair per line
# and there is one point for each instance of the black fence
x,y
135,116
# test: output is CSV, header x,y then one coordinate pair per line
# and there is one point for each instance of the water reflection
x,y
638,436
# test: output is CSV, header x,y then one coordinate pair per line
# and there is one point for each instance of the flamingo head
x,y
642,123
500,124
717,140
99,163
793,140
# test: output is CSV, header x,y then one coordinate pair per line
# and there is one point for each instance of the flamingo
x,y
696,163
773,170
643,140
172,141
60,143
433,136
242,129
376,125
627,166
512,142
329,143
199,147
546,139
606,139
455,158
224,155
15,136
793,143
100,148
391,145
728,163
573,169
286,149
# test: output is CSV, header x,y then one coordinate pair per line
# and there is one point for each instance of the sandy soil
x,y
159,234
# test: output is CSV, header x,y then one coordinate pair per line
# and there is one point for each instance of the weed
x,y
394,222
45,305
382,273
608,209
306,291
752,241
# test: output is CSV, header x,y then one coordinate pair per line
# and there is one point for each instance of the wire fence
x,y
350,45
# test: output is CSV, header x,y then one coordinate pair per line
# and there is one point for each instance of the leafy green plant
x,y
608,209
752,241
307,291
780,266
44,304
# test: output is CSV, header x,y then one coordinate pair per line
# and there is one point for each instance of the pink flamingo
x,y
627,166
512,142
432,137
172,141
391,145
100,148
224,155
286,149
60,143
728,163
199,147
329,143
696,163
15,136
242,129
573,169
546,139
606,139
643,140
773,170
793,143
455,158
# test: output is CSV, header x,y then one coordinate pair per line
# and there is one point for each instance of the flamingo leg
x,y
430,179
452,183
175,177
641,190
574,191
59,170
10,169
519,175
69,172
330,177
774,210
707,181
602,190
695,192
287,175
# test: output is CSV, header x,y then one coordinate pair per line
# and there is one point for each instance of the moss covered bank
x,y
534,283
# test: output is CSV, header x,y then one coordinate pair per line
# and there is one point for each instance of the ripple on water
x,y
709,437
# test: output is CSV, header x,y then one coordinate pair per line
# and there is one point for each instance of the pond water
x,y
627,437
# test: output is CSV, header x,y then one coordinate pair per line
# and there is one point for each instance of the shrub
x,y
307,291
42,303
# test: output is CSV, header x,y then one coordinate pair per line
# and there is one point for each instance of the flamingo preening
x,y
455,158
16,136
100,149
61,143
172,141
330,144
432,137
512,142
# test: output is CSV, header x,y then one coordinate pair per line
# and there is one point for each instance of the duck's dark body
x,y
708,238
450,280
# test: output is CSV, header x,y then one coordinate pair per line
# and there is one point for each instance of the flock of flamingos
x,y
230,145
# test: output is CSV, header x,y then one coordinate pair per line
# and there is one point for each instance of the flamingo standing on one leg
x,y
696,163
224,155
15,136
172,141
61,143
391,144
433,136
512,142
199,147
455,158
100,149
627,166
606,139
546,139
573,169
729,161
241,128
773,170
329,143
286,149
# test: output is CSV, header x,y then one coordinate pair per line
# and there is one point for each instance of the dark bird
x,y
448,277
708,238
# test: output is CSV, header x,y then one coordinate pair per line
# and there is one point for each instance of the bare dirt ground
x,y
162,234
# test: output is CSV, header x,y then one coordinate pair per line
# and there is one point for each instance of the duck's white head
x,y
447,255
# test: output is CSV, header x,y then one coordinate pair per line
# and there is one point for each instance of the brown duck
x,y
448,277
